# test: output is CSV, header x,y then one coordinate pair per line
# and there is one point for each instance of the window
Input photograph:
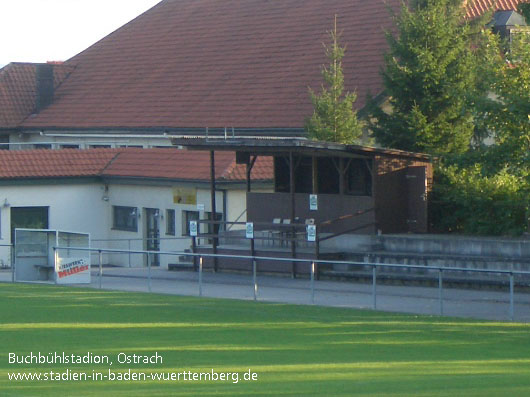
x,y
188,216
68,146
170,222
359,182
100,146
125,218
28,218
42,146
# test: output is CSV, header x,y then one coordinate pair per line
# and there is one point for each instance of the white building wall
x,y
73,207
156,197
88,208
237,205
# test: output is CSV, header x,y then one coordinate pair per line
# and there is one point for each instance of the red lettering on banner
x,y
72,271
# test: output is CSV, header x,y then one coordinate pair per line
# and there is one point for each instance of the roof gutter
x,y
99,136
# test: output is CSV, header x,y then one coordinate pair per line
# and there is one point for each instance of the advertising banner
x,y
72,270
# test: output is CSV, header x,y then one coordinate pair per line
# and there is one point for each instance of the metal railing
x,y
313,264
140,241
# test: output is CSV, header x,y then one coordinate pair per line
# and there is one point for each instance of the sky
x,y
56,30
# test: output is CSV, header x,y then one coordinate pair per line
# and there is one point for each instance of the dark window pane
x,y
125,218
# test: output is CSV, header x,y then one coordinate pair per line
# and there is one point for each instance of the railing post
x,y
129,245
440,292
100,267
312,282
55,260
194,251
200,276
374,286
148,273
511,298
254,274
12,253
317,253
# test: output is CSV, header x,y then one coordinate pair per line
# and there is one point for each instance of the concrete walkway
x,y
481,304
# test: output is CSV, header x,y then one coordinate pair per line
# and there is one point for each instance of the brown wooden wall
x,y
396,186
264,207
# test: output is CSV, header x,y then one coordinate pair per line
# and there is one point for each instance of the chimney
x,y
45,86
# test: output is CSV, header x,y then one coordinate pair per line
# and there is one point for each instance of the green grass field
x,y
294,350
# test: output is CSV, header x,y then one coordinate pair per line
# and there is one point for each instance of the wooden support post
x,y
342,176
250,165
314,170
194,250
317,256
293,211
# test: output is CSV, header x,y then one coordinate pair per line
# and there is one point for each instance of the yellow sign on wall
x,y
184,196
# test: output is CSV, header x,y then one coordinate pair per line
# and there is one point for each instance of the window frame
x,y
132,211
171,229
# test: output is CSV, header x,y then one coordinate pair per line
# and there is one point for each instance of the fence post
x,y
200,276
254,271
148,273
440,292
194,251
129,245
12,253
100,267
374,286
511,298
312,282
55,260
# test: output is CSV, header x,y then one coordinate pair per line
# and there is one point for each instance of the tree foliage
x,y
487,189
507,115
334,118
429,76
468,200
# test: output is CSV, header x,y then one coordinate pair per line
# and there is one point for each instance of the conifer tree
x,y
429,77
334,119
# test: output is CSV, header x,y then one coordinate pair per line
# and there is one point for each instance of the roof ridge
x,y
109,163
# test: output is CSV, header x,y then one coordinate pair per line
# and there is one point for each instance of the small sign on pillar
x,y
311,233
250,230
193,228
313,202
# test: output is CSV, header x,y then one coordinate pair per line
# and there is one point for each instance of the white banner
x,y
72,270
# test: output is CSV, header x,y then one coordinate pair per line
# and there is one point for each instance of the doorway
x,y
152,234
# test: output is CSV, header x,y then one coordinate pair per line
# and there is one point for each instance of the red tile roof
x,y
53,163
222,63
479,7
216,63
168,163
18,87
